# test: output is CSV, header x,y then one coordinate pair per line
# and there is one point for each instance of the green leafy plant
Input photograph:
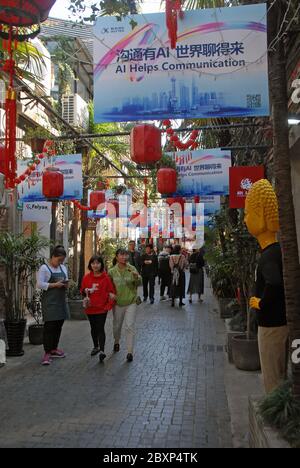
x,y
20,258
27,57
73,291
34,307
281,410
120,8
231,253
37,132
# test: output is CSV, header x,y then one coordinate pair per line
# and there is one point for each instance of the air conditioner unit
x,y
75,110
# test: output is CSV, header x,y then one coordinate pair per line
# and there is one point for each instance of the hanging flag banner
x,y
71,167
202,172
241,180
37,212
218,69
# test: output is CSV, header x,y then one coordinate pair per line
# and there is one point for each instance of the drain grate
x,y
210,348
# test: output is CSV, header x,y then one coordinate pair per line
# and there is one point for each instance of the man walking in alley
x,y
134,256
164,271
149,270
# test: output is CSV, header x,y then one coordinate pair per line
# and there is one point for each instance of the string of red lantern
x,y
174,139
173,11
48,150
10,115
80,206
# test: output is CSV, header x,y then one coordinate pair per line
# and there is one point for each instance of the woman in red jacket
x,y
99,292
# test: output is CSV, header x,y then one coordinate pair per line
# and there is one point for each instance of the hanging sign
x,y
241,180
202,172
219,67
37,212
70,165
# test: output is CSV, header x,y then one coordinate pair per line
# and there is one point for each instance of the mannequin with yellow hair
x,y
262,221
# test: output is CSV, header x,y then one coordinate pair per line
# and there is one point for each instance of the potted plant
x,y
36,137
222,281
245,351
34,307
232,256
75,302
20,259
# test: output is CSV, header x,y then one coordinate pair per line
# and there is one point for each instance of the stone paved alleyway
x,y
171,395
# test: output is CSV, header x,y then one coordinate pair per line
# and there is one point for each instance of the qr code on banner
x,y
253,101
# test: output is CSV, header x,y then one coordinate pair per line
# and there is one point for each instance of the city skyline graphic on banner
x,y
218,68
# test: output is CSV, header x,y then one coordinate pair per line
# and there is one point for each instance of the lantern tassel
x,y
10,137
146,193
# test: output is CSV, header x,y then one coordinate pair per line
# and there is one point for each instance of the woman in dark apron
x,y
53,280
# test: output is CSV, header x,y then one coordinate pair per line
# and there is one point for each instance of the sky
x,y
60,9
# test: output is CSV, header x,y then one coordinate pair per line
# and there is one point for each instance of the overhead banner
x,y
241,180
71,167
212,204
218,69
202,172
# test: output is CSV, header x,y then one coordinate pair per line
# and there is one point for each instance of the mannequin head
x,y
261,213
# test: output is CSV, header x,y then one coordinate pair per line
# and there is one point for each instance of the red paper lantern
x,y
23,14
166,180
96,199
52,183
145,144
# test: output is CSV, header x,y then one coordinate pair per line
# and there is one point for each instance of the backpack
x,y
194,268
164,265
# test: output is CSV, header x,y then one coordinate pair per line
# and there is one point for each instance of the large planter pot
x,y
15,332
225,311
230,335
245,353
35,334
77,310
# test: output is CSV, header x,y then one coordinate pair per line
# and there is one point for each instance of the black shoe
x,y
102,356
173,304
190,301
129,357
116,347
152,301
181,304
145,299
95,351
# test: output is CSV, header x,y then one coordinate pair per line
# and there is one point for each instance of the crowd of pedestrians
x,y
116,290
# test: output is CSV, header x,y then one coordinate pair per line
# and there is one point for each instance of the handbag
x,y
138,300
